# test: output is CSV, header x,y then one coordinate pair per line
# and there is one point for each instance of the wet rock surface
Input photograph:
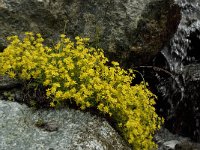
x,y
23,128
175,73
168,141
191,72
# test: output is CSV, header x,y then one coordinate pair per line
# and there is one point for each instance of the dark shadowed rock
x,y
159,22
168,141
8,83
185,145
186,119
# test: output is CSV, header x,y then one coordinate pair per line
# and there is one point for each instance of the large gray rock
x,y
130,31
25,129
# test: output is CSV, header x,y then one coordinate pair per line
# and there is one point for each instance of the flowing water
x,y
180,92
183,46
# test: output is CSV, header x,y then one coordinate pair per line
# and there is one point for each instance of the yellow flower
x,y
11,74
58,94
70,66
6,67
53,89
76,71
38,35
77,38
46,82
100,107
48,92
88,104
52,104
62,35
83,107
115,63
66,95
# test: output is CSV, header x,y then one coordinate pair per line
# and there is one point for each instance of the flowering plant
x,y
75,71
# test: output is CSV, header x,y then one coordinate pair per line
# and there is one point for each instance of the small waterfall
x,y
188,31
182,56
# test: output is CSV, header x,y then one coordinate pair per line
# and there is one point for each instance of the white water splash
x,y
179,46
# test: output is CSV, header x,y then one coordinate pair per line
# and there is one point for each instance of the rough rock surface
x,y
191,72
76,128
169,141
23,128
130,31
157,25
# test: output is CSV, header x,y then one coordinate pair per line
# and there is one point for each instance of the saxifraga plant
x,y
74,71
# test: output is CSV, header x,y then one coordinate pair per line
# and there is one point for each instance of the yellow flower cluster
x,y
76,71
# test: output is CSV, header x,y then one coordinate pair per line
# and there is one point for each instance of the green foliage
x,y
10,96
74,71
